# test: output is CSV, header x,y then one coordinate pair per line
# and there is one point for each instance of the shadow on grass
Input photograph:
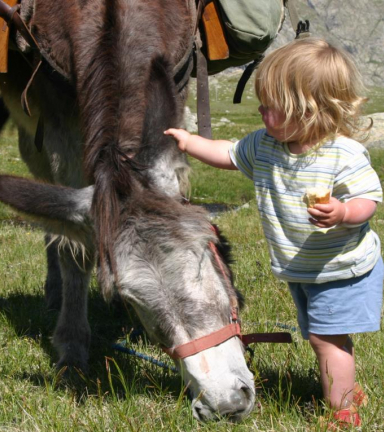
x,y
118,374
285,388
29,317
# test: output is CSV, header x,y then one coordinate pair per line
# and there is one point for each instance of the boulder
x,y
376,135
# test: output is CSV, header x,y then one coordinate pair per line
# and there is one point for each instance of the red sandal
x,y
359,397
344,419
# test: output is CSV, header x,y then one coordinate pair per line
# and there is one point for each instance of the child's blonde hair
x,y
316,85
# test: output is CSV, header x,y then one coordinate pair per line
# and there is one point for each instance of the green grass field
x,y
124,393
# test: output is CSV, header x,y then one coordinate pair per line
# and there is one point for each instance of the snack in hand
x,y
316,195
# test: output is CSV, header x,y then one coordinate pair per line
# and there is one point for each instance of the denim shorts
x,y
342,306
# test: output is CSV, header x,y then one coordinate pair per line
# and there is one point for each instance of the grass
x,y
124,393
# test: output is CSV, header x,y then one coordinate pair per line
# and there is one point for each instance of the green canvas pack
x,y
249,28
246,29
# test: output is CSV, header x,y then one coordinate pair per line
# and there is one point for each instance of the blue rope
x,y
271,324
130,351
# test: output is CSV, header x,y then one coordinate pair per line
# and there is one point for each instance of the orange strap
x,y
217,47
4,39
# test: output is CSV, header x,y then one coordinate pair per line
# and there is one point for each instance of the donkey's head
x,y
170,266
172,269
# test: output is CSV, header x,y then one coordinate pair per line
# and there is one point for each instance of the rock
x,y
356,26
190,120
376,135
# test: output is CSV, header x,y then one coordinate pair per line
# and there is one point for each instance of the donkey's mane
x,y
116,167
189,227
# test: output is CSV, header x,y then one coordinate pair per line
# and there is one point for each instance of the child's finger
x,y
315,213
324,208
170,131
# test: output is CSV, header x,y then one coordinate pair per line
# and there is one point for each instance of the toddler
x,y
310,104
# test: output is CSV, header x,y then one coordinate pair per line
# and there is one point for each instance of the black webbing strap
x,y
301,28
182,71
244,79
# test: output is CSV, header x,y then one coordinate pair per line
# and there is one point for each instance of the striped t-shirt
x,y
300,251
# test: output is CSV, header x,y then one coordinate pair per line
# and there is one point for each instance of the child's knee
x,y
325,342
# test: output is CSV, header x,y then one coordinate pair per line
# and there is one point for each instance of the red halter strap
x,y
197,345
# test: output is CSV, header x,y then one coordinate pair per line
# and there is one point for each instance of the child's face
x,y
274,119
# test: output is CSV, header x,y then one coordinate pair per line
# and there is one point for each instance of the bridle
x,y
227,332
212,339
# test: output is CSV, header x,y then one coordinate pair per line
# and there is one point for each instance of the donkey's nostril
x,y
189,394
202,412
241,398
197,412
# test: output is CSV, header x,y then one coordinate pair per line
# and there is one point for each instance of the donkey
x,y
109,187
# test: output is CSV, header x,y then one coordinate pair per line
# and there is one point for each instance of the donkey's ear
x,y
61,210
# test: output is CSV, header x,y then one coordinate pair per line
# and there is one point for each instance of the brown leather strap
x,y
7,9
10,15
202,93
279,337
199,11
203,107
205,342
24,95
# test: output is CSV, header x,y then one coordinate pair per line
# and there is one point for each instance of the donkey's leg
x,y
53,283
39,165
72,334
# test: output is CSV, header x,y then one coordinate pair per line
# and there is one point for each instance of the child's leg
x,y
337,368
340,308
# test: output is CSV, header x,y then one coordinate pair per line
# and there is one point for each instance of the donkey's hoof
x,y
69,371
73,356
71,376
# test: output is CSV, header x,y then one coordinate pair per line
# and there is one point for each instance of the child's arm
x,y
353,212
211,152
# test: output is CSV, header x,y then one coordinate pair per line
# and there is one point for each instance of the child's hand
x,y
181,136
327,215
